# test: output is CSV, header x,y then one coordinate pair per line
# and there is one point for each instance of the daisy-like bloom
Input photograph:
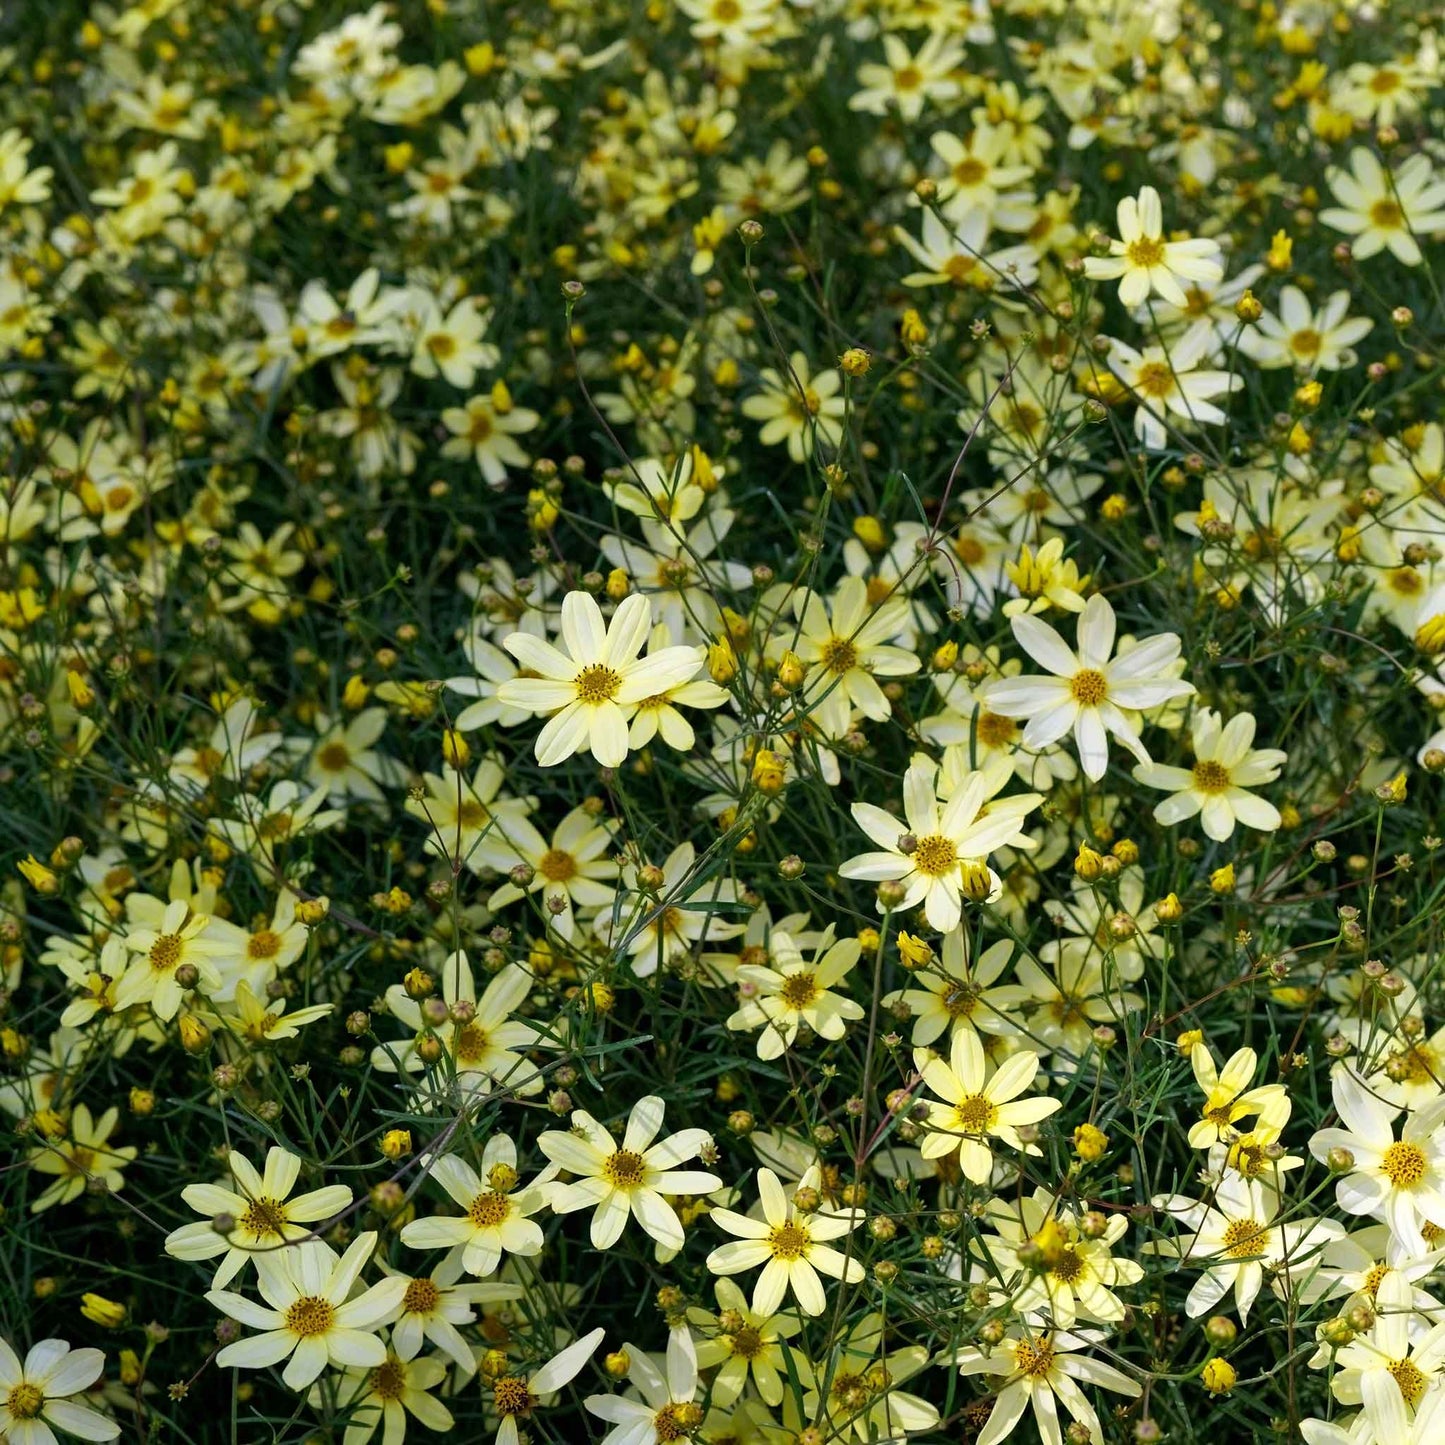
x,y
1400,1181
908,82
344,761
658,715
155,979
974,1105
955,253
1405,1068
453,348
386,1394
1390,1369
799,409
479,1037
1075,1274
1226,766
468,821
34,1395
1087,692
863,1397
258,1023
1038,1368
260,1209
667,1411
951,994
789,1243
573,871
1304,338
747,1343
794,991
435,1304
1166,380
1380,209
1144,263
1229,1096
263,826
310,1315
589,692
940,855
631,1179
84,1155
515,1397
980,180
496,1218
1359,1263
485,429
846,652
1237,1239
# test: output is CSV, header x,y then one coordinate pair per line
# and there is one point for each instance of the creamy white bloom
x,y
1143,261
34,1394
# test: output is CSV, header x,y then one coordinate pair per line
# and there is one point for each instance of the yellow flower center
x,y
334,758
471,1043
165,952
264,944
1387,216
1089,687
935,855
512,1396
1034,1358
421,1297
1306,343
995,731
264,1218
1409,1378
1243,1239
910,77
489,1210
961,1000
25,1401
799,990
1067,1267
557,866
789,1241
1211,777
746,1343
839,655
472,814
1146,251
597,684
975,1113
389,1380
969,171
1155,378
1375,1278
624,1169
310,1315
1404,1164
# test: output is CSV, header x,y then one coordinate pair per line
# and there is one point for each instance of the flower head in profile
x,y
1144,263
1086,691
974,1106
628,1180
589,691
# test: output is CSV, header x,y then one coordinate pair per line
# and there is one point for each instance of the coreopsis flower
x,y
1390,1369
973,1105
1309,340
747,1344
468,818
1166,381
907,82
344,760
863,1397
799,409
790,1243
484,429
1088,692
1042,1369
1238,1240
955,252
496,1216
573,871
847,651
940,856
1226,766
452,347
35,1395
311,1318
1076,1273
515,1397
385,1394
667,1410
589,692
616,1182
435,1304
264,825
175,944
1381,209
1400,1181
1143,262
792,991
484,1045
1065,1003
950,993
83,1156
261,1214
1230,1096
